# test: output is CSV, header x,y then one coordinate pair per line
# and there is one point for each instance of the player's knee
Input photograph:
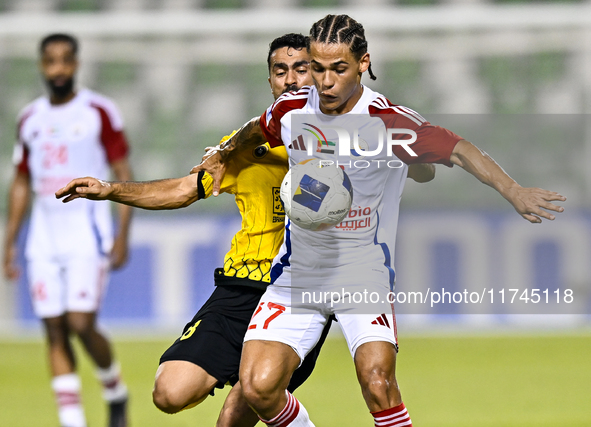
x,y
81,326
166,399
57,332
259,392
379,382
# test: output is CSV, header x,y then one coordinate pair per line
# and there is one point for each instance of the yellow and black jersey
x,y
254,177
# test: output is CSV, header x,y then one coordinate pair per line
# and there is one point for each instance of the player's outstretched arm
x,y
171,193
249,135
528,202
421,172
18,200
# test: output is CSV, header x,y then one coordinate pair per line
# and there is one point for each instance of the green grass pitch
x,y
455,381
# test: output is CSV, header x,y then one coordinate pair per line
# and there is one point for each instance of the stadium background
x,y
513,77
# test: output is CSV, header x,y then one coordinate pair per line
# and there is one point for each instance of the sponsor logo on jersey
x,y
358,218
277,203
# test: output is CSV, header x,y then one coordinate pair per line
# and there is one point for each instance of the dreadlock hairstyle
x,y
341,29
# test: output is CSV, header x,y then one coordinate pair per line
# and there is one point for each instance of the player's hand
x,y
11,270
213,165
86,188
120,252
533,203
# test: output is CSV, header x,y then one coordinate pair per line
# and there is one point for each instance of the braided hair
x,y
341,29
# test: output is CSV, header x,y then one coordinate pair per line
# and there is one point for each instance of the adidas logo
x,y
299,144
381,320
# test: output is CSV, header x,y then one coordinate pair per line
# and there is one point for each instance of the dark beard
x,y
291,88
63,91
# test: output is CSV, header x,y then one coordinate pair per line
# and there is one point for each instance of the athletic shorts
x,y
302,330
213,339
73,284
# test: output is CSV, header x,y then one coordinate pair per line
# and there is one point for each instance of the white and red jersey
x,y
361,248
57,143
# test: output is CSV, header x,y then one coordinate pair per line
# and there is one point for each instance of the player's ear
x,y
364,63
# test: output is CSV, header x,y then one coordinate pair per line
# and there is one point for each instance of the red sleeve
x,y
23,165
271,128
434,144
113,141
271,118
22,160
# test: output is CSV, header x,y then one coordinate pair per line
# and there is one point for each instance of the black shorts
x,y
213,338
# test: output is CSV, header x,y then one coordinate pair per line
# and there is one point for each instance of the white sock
x,y
114,389
67,393
293,415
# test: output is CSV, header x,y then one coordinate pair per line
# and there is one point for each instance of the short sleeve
x,y
112,136
434,144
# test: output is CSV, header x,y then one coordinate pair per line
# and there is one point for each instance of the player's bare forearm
x,y
18,201
122,171
163,194
120,251
528,202
249,135
421,172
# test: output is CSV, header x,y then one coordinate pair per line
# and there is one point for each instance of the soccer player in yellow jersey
x,y
207,354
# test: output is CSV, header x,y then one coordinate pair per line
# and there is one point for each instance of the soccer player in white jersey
x,y
70,248
339,57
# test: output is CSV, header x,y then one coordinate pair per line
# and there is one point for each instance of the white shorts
x,y
273,320
73,284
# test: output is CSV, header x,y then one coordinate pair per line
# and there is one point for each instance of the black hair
x,y
293,40
59,37
341,29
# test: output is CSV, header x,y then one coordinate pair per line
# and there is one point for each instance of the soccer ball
x,y
316,195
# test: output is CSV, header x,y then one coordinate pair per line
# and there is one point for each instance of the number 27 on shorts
x,y
267,311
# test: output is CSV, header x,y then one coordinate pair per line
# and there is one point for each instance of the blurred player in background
x,y
69,249
338,58
207,355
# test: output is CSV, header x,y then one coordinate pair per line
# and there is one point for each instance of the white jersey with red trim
x,y
57,143
361,248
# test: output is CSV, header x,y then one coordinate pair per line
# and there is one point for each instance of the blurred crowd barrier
x,y
170,273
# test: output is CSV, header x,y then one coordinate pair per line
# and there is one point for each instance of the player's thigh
x,y
86,279
274,321
213,339
47,288
182,382
359,329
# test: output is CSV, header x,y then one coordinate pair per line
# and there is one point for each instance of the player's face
x,y
290,70
58,66
337,76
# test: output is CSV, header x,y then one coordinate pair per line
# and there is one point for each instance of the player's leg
x,y
372,342
207,354
236,412
61,355
265,370
96,344
275,344
86,277
47,292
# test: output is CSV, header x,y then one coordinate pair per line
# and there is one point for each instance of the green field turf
x,y
449,381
